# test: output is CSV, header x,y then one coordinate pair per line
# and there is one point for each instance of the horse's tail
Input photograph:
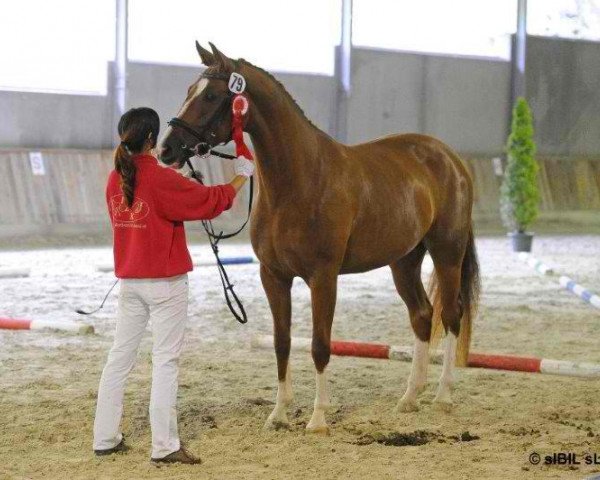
x,y
469,298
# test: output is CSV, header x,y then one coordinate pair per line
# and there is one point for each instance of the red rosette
x,y
240,105
239,108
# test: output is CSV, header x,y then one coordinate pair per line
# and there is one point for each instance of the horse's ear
x,y
207,58
224,63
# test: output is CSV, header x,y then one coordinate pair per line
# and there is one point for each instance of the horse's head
x,y
204,119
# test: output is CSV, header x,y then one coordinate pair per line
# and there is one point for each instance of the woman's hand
x,y
243,166
243,169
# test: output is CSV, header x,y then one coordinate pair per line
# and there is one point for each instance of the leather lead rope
x,y
91,312
215,238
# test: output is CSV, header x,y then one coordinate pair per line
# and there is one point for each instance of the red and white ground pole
x,y
19,324
475,360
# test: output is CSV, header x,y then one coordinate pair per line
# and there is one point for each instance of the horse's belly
x,y
374,244
372,253
361,267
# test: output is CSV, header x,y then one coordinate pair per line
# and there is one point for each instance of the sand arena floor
x,y
48,380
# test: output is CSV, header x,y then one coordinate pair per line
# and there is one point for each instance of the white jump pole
x,y
536,264
566,282
14,272
587,296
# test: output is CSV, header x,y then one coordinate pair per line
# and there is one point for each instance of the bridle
x,y
204,149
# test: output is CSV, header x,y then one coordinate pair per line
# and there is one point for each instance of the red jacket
x,y
149,237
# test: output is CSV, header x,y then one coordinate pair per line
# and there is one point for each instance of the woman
x,y
147,206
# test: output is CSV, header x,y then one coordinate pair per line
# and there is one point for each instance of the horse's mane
x,y
282,89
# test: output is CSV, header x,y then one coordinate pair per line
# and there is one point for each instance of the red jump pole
x,y
504,362
356,349
15,324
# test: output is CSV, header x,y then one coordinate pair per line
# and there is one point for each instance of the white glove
x,y
243,166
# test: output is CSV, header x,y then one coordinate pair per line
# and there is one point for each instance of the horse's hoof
x,y
443,405
276,425
407,406
322,430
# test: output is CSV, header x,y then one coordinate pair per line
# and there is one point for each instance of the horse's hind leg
x,y
449,285
447,259
407,278
278,290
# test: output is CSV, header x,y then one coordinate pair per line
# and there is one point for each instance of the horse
x,y
326,209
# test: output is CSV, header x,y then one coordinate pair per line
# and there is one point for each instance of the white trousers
x,y
164,301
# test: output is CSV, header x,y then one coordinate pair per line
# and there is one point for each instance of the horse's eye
x,y
210,96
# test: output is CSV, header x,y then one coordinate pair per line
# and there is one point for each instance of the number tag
x,y
237,83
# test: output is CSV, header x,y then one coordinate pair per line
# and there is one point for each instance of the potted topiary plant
x,y
519,194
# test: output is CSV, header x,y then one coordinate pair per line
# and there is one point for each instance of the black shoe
x,y
120,448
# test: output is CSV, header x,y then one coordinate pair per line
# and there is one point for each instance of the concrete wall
x,y
43,120
463,101
563,87
162,87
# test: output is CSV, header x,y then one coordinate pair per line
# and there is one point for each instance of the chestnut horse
x,y
325,209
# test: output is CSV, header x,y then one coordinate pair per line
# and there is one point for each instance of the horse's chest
x,y
277,235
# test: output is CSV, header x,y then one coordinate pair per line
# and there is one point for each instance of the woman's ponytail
x,y
126,169
136,127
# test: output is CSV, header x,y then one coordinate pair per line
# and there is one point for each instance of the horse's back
x,y
415,157
408,147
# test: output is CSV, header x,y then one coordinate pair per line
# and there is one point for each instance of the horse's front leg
x,y
278,290
323,289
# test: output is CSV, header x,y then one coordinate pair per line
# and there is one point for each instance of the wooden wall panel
x,y
72,191
564,183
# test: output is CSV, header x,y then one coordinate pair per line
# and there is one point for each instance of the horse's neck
x,y
287,146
